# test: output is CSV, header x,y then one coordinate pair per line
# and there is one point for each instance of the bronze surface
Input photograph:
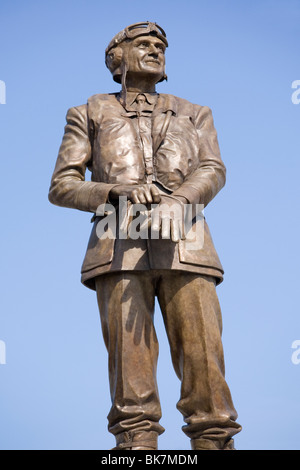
x,y
155,150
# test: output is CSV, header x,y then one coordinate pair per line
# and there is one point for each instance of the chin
x,y
155,71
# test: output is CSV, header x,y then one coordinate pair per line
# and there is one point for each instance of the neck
x,y
140,84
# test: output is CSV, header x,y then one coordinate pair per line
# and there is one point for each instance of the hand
x,y
168,219
137,194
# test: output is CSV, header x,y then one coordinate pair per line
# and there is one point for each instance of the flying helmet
x,y
114,53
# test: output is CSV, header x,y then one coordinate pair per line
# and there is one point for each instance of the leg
x,y
126,303
192,317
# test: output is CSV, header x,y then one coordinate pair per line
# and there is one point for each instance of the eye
x,y
144,44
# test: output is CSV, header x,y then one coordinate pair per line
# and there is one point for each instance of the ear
x,y
114,58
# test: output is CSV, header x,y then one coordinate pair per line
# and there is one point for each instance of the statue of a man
x,y
160,152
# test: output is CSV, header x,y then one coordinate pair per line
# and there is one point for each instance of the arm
x,y
209,178
68,186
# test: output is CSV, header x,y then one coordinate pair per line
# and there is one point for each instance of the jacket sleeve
x,y
209,178
68,187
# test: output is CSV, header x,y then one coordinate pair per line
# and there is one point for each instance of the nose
x,y
153,49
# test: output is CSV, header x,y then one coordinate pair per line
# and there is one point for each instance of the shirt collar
x,y
151,99
164,103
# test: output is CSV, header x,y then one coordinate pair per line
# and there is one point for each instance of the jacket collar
x,y
162,103
166,103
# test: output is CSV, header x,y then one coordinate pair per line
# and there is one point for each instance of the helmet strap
x,y
124,70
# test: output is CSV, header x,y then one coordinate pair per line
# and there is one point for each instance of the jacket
x,y
100,136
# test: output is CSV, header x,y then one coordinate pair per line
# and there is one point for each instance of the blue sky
x,y
238,58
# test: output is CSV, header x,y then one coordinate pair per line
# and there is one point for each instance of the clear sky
x,y
240,59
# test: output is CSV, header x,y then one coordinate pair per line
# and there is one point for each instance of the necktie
x,y
140,99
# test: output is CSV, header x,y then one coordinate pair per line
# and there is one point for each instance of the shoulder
x,y
81,114
77,114
102,98
184,106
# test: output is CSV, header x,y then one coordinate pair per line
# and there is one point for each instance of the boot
x,y
209,444
136,440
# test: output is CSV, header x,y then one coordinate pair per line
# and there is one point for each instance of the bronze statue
x,y
160,152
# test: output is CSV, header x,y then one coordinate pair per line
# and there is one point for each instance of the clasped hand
x,y
166,217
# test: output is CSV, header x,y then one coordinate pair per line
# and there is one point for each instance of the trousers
x,y
193,322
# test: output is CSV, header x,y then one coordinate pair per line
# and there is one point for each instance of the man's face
x,y
146,55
